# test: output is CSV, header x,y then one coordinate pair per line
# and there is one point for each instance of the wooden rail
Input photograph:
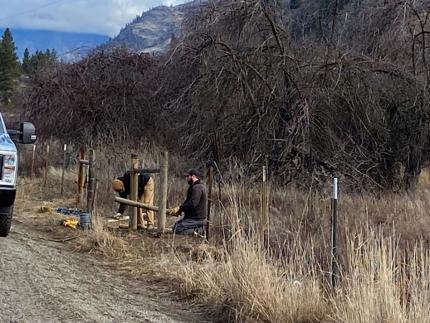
x,y
151,170
136,204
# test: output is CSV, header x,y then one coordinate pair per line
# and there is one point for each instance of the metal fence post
x,y
264,221
64,167
334,198
210,180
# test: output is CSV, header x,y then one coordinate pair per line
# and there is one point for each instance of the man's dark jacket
x,y
126,179
195,206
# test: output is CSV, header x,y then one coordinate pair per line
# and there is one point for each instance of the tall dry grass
x,y
383,258
248,286
101,241
383,253
379,282
383,283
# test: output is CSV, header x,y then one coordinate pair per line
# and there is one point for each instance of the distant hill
x,y
150,32
68,45
153,30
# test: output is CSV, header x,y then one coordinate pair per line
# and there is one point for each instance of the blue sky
x,y
88,16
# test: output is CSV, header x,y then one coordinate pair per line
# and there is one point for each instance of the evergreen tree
x,y
9,66
53,56
294,4
26,62
40,61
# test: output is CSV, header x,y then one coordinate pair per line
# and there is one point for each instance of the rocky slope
x,y
153,30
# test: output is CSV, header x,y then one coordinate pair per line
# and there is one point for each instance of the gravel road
x,y
41,281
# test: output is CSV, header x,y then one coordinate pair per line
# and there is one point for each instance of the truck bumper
x,y
7,196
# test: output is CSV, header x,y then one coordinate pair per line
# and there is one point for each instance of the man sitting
x,y
194,207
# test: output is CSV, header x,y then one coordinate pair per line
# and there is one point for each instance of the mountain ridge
x,y
68,45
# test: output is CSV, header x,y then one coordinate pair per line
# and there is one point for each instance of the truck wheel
x,y
5,220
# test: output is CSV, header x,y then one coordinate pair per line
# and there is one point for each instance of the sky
x,y
104,17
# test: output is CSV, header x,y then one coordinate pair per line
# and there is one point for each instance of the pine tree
x,y
294,4
54,55
9,66
26,62
41,61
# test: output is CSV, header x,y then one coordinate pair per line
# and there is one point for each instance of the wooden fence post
x,y
46,162
94,199
81,177
33,156
210,180
91,180
134,189
163,192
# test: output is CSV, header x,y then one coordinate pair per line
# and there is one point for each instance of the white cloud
x,y
89,16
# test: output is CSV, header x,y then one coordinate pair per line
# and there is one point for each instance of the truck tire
x,y
5,220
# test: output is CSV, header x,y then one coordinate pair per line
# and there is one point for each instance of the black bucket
x,y
85,221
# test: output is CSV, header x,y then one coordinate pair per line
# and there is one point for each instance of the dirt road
x,y
41,281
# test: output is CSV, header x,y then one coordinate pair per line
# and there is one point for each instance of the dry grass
x,y
385,267
248,287
100,241
382,284
379,283
383,256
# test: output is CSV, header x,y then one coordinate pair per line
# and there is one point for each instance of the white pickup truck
x,y
9,169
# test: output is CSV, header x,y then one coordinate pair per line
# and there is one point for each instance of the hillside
x,y
150,32
153,30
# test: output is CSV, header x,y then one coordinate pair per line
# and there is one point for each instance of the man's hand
x,y
174,211
117,216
